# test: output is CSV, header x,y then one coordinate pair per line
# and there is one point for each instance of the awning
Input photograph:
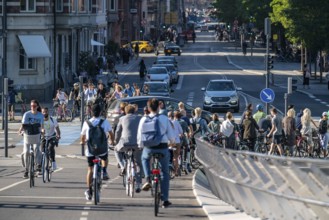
x,y
96,43
34,46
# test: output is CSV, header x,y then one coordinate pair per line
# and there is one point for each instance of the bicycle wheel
x,y
171,171
127,181
49,169
31,170
67,115
44,168
193,161
157,197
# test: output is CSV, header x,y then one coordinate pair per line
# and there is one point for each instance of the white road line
x,y
84,213
180,82
83,218
10,139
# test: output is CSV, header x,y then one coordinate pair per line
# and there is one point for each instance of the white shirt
x,y
90,94
61,96
227,128
166,129
85,131
50,126
177,130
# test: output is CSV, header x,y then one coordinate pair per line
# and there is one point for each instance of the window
x,y
82,5
28,5
26,63
59,5
73,5
112,5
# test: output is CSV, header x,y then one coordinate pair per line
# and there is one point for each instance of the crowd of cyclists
x,y
291,135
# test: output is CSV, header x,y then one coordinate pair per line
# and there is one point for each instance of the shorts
x,y
277,139
11,107
90,159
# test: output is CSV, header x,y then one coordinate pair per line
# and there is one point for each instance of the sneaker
x,y
26,175
146,186
165,204
88,194
54,165
106,176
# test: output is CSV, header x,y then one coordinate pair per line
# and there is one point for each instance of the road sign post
x,y
267,95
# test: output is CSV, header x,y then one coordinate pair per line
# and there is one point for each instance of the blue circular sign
x,y
267,95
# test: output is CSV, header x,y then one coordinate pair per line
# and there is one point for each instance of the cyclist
x,y
250,126
126,137
167,133
307,129
200,124
51,129
95,110
32,124
62,98
260,113
75,95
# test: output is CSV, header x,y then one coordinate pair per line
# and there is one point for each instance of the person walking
x,y
306,77
167,135
142,69
136,50
276,131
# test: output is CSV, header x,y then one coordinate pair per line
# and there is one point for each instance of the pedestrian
x,y
142,69
167,135
227,129
289,128
11,103
276,131
126,139
32,125
106,126
306,77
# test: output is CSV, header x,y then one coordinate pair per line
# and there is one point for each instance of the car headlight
x,y
234,99
207,100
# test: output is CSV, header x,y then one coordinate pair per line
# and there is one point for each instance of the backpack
x,y
151,132
97,142
196,125
323,126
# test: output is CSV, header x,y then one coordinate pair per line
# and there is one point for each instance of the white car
x,y
158,74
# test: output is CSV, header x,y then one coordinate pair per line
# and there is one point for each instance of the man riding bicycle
x,y
75,95
51,129
95,120
62,99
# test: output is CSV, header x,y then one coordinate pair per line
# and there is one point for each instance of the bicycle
x,y
156,181
75,109
46,164
130,166
97,180
193,160
317,148
301,146
262,144
61,112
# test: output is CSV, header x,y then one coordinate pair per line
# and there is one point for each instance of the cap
x,y
324,114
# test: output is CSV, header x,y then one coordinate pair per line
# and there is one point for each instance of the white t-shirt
x,y
94,121
50,126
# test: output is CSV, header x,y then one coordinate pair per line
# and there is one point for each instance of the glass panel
x,y
23,5
82,5
31,5
21,58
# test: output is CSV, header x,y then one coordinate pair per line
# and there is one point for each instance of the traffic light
x,y
292,85
269,62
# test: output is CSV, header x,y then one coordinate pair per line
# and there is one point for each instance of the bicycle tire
x,y
31,170
44,168
49,169
95,187
157,194
127,183
172,172
195,164
67,115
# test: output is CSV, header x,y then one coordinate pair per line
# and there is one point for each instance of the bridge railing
x,y
268,187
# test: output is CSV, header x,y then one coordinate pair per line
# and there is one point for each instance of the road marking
x,y
84,213
10,139
180,82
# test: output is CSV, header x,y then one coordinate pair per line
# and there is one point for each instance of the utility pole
x,y
4,57
267,32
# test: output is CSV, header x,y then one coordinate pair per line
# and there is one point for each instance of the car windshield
x,y
164,62
220,86
158,87
157,71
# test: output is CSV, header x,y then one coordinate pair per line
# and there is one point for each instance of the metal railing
x,y
268,187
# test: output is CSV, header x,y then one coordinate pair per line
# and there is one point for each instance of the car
x,y
171,69
144,46
171,104
172,48
172,60
204,28
221,94
158,74
156,88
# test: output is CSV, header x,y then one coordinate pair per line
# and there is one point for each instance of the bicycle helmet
x,y
259,107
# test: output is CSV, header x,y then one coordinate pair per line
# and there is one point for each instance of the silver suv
x,y
221,94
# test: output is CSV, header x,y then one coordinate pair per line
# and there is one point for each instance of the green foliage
x,y
87,64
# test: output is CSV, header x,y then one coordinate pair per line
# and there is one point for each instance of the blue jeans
x,y
164,167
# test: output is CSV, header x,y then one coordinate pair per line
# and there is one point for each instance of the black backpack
x,y
323,126
97,141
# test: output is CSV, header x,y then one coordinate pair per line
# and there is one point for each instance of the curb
x,y
214,207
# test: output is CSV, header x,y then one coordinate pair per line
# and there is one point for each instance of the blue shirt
x,y
30,118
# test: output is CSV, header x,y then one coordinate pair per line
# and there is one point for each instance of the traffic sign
x,y
267,95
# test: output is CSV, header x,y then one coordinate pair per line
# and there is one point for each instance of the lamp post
x,y
4,56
